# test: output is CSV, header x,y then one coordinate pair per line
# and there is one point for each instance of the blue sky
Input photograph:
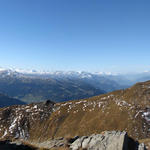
x,y
89,35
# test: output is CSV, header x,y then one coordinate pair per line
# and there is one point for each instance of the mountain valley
x,y
7,101
58,86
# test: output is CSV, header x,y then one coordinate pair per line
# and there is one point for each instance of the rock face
x,y
114,140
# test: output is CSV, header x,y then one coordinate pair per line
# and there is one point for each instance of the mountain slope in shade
x,y
127,110
59,86
7,101
30,89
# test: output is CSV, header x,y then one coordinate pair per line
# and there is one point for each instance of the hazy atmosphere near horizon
x,y
79,35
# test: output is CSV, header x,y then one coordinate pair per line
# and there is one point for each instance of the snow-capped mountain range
x,y
42,72
33,86
67,73
122,79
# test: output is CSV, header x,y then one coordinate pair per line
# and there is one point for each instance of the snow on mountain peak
x,y
82,74
2,69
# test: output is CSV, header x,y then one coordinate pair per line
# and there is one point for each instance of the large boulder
x,y
108,140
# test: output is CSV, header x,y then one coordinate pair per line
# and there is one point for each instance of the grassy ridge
x,y
119,110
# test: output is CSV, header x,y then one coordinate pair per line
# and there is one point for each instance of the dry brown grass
x,y
61,123
60,148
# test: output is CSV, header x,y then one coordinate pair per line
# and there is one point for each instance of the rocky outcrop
x,y
108,140
114,140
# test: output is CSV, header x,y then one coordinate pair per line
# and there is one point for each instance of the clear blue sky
x,y
89,35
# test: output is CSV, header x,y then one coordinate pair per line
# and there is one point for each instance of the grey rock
x,y
86,142
77,143
114,140
141,146
108,140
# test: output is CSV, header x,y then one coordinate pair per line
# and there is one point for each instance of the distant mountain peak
x,y
33,71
